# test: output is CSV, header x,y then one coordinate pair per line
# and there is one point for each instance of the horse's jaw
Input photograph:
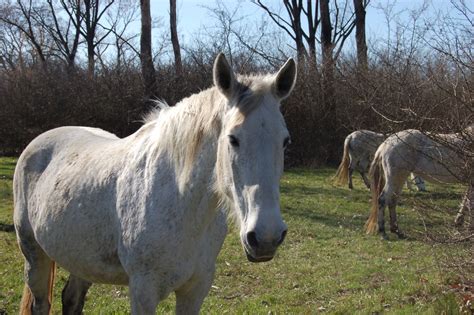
x,y
257,260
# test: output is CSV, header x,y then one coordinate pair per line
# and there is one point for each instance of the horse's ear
x,y
285,79
224,77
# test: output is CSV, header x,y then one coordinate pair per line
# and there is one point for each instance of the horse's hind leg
x,y
363,168
381,215
366,180
351,170
392,204
37,276
393,218
74,294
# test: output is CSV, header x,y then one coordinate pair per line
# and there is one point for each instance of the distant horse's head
x,y
250,154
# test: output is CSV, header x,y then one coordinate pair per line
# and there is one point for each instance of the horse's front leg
x,y
459,220
190,296
74,294
144,294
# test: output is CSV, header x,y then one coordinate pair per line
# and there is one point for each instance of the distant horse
x,y
359,150
144,211
435,157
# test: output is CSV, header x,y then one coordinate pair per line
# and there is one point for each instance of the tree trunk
x,y
360,34
313,23
327,80
90,57
174,38
148,70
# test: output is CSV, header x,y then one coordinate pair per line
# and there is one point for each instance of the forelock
x,y
251,90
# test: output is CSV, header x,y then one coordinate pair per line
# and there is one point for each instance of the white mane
x,y
153,114
197,120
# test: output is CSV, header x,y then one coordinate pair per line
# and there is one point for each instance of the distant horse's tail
x,y
377,182
342,174
27,298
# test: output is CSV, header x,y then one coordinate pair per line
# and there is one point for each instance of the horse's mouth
x,y
259,259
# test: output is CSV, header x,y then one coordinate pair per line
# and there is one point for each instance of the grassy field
x,y
327,263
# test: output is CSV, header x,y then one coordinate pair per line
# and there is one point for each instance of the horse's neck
x,y
182,144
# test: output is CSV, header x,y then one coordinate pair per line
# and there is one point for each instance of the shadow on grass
x,y
7,228
293,190
343,215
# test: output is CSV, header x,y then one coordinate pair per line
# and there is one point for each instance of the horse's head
x,y
250,154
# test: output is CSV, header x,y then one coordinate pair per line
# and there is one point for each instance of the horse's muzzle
x,y
258,251
257,260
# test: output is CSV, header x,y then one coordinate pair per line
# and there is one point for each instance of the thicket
x,y
389,96
420,77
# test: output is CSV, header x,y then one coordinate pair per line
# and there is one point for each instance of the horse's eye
x,y
233,141
286,142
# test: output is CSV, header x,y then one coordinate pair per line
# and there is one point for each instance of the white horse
x,y
359,150
143,211
436,157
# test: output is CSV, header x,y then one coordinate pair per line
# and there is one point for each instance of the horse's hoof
x,y
401,236
383,237
459,221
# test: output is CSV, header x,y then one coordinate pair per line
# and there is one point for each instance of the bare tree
x,y
62,32
90,12
359,8
11,43
24,17
148,70
297,11
118,22
174,38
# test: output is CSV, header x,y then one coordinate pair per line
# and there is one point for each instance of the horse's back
x,y
64,186
50,145
363,144
414,151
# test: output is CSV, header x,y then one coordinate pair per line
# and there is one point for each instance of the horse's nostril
x,y
252,239
283,235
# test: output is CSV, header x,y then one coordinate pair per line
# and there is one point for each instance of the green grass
x,y
327,263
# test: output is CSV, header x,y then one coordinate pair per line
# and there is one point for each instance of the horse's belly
x,y
83,242
94,261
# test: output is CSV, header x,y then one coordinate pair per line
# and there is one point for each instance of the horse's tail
x,y
27,298
377,182
342,174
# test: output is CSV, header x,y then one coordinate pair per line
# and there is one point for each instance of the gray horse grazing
x,y
436,157
359,150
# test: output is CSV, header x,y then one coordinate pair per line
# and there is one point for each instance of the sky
x,y
193,15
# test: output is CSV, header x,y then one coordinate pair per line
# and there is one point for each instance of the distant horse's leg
x,y
393,218
466,206
381,215
392,204
144,294
410,184
459,220
419,182
37,274
190,297
73,295
364,166
351,170
366,180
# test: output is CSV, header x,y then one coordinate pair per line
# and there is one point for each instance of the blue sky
x,y
192,14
